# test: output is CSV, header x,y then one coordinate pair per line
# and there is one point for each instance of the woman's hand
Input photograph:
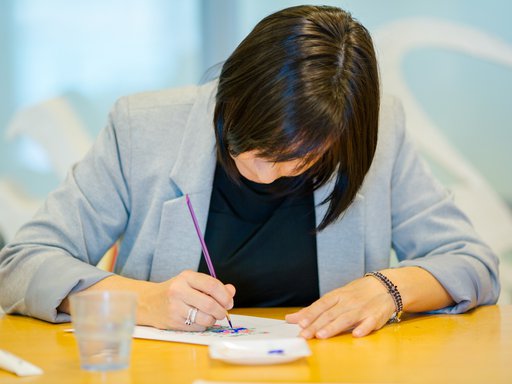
x,y
166,305
364,305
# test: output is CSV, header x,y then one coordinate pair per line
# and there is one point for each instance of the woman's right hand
x,y
166,305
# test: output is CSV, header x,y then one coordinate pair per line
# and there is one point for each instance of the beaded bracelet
x,y
393,291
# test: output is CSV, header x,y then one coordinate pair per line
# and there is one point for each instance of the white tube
x,y
14,364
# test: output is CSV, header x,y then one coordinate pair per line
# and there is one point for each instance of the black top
x,y
261,243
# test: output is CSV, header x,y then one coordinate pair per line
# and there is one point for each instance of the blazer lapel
x,y
340,246
178,247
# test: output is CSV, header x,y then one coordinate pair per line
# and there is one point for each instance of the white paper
x,y
253,328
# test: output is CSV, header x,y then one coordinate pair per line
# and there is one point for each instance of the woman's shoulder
x,y
165,98
161,112
391,116
391,128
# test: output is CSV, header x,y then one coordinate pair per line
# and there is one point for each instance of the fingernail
x,y
303,323
322,334
357,333
306,334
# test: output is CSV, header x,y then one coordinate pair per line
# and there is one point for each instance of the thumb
x,y
231,289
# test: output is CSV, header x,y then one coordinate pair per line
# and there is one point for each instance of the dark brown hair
x,y
303,85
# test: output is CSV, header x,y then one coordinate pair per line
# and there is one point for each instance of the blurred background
x,y
63,64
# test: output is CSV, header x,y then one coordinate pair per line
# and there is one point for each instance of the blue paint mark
x,y
226,330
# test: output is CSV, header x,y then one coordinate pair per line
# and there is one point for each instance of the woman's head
x,y
302,92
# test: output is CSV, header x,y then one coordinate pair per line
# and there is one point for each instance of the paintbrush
x,y
205,249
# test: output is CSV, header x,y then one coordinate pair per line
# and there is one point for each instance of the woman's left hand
x,y
364,305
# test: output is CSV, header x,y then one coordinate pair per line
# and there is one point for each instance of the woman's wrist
x,y
119,283
420,291
393,292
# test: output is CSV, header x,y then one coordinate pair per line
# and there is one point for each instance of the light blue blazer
x,y
159,146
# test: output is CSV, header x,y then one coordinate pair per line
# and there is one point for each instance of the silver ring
x,y
191,316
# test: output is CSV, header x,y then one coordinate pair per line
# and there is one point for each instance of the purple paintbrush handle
x,y
201,238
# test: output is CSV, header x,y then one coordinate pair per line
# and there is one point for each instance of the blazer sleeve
x,y
431,232
56,252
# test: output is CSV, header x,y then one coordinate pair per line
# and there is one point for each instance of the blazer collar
x,y
193,170
340,246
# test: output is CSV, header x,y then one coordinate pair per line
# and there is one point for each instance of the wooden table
x,y
471,348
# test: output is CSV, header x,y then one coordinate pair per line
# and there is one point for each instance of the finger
x,y
192,288
212,287
362,323
294,317
190,328
204,319
306,316
177,317
203,302
198,321
369,324
365,327
344,323
329,323
232,290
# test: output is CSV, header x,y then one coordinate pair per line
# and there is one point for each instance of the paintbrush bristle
x,y
229,320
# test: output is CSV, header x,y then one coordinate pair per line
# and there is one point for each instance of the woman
x,y
301,176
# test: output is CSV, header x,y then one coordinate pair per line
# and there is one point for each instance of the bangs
x,y
307,152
